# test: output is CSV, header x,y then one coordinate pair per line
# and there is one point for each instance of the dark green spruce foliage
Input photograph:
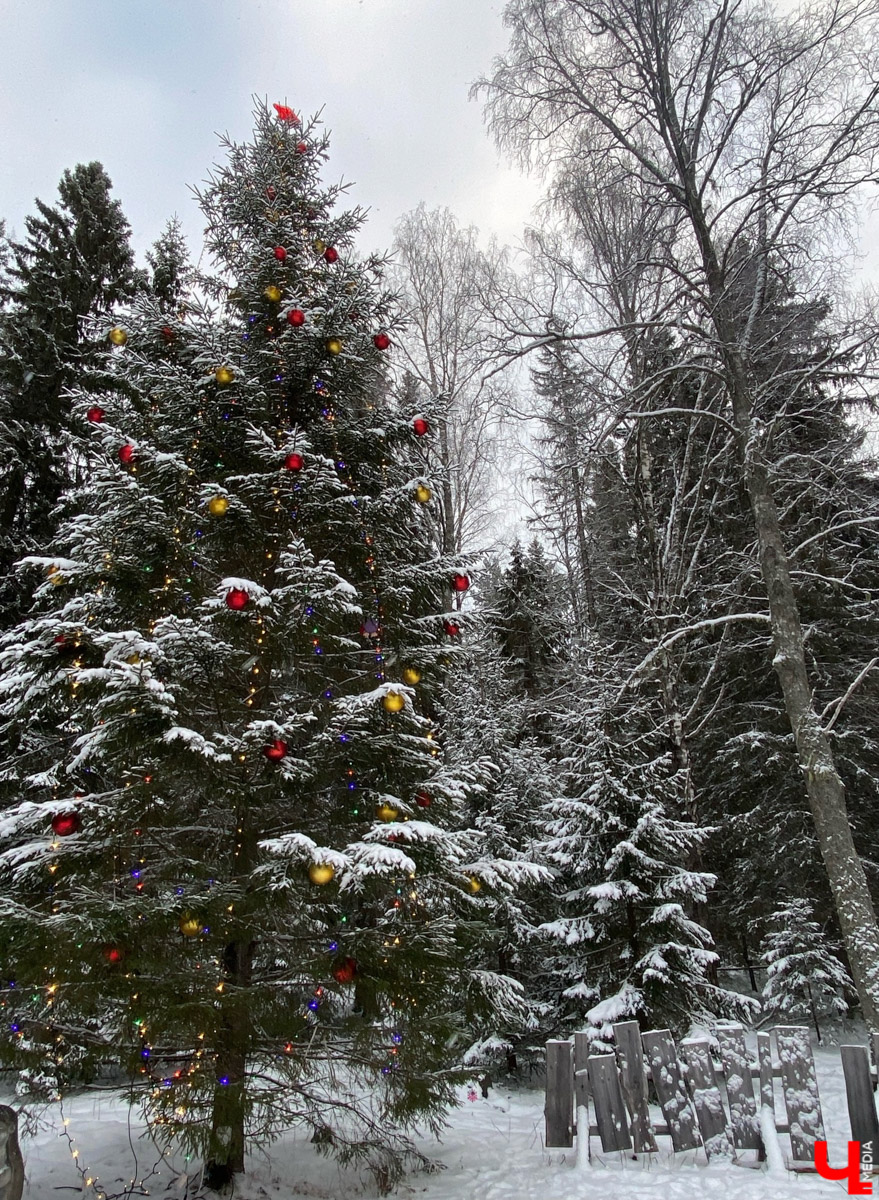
x,y
75,262
142,702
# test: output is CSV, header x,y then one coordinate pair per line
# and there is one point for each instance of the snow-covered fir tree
x,y
804,974
626,942
234,860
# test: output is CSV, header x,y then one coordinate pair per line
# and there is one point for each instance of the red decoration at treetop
x,y
276,751
64,824
280,253
237,598
286,114
460,582
381,341
345,971
95,414
294,462
296,316
420,426
126,453
451,628
331,254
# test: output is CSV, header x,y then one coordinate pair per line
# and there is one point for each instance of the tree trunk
x,y
845,871
226,1152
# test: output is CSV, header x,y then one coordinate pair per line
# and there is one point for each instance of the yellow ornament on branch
x,y
334,345
272,293
321,873
387,812
474,884
190,926
224,375
411,675
118,336
217,506
394,702
423,494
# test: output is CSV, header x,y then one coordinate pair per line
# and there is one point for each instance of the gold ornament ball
x,y
217,506
190,926
394,702
474,884
55,576
412,676
351,286
272,293
319,246
224,375
334,345
321,873
118,336
387,812
423,494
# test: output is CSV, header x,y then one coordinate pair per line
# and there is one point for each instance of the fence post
x,y
861,1105
11,1162
559,1107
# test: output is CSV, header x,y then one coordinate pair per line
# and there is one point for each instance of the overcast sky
x,y
144,86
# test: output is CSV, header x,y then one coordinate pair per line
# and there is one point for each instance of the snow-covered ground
x,y
492,1150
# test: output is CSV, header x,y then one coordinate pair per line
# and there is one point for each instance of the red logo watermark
x,y
860,1162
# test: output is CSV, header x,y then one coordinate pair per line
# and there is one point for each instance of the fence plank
x,y
559,1106
739,1087
800,1090
713,1125
859,1094
659,1049
633,1080
764,1063
581,1077
610,1108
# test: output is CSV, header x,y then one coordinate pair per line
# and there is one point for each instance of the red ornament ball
x,y
237,598
420,426
64,824
296,316
460,583
451,628
294,462
270,193
95,414
301,147
126,453
113,954
345,970
331,254
381,341
276,751
168,334
423,800
280,253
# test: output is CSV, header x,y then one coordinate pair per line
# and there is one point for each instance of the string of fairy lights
x,y
198,1061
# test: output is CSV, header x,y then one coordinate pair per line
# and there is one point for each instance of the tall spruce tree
x,y
233,854
75,262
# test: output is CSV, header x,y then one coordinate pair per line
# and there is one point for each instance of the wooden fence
x,y
724,1106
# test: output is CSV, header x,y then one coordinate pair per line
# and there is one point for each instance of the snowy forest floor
x,y
492,1149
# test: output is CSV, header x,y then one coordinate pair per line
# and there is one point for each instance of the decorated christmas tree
x,y
234,861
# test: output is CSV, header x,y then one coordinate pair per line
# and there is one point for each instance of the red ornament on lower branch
x,y
451,628
95,414
276,751
126,453
113,954
460,582
64,824
381,341
420,426
280,253
331,254
423,800
294,462
296,316
345,971
237,598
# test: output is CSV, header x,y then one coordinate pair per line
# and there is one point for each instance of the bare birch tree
x,y
446,281
740,121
